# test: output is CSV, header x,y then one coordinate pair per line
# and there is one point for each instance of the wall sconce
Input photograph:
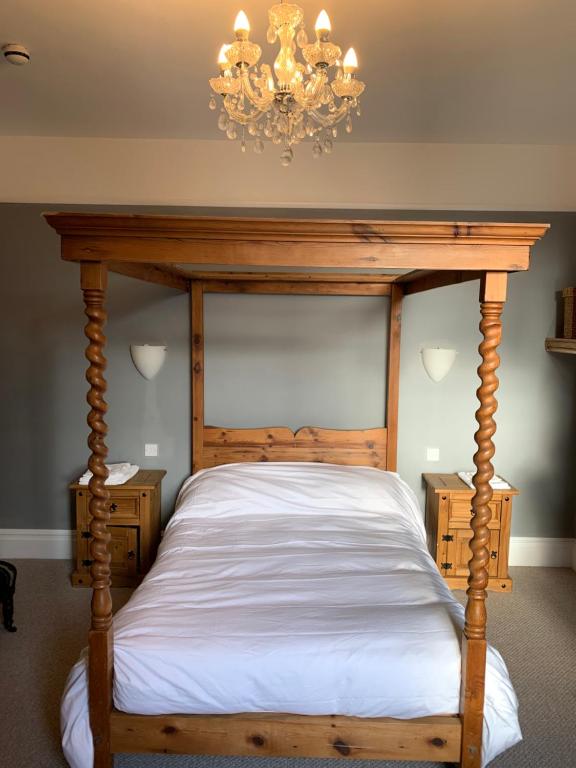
x,y
148,359
437,361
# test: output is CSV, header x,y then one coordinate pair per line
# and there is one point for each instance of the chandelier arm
x,y
311,100
332,118
262,103
243,118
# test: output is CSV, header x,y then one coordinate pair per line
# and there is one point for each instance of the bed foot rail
x,y
435,739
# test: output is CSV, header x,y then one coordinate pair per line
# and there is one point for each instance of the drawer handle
x,y
113,507
131,554
85,534
86,563
493,554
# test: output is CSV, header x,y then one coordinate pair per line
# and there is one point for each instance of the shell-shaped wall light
x,y
438,361
148,358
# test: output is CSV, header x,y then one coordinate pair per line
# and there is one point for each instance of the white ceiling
x,y
462,71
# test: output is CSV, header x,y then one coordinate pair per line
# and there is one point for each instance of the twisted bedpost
x,y
492,298
93,281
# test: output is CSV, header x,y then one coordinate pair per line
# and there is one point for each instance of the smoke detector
x,y
16,54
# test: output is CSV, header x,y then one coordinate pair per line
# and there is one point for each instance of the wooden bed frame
x,y
439,254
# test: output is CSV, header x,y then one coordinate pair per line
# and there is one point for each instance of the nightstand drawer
x,y
460,512
124,507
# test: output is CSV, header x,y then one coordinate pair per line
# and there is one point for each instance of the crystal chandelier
x,y
299,100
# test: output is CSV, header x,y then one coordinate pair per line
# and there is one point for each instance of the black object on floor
x,y
7,588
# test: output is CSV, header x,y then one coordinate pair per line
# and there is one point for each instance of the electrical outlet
x,y
432,454
150,449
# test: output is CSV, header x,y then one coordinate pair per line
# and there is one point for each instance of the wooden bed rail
x,y
274,735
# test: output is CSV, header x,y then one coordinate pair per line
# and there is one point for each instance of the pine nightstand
x,y
448,513
134,527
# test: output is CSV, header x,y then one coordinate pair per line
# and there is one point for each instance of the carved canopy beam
x,y
309,278
161,274
424,280
308,243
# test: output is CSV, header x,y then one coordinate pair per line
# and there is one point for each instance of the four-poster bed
x,y
439,254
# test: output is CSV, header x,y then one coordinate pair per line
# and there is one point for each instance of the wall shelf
x,y
566,346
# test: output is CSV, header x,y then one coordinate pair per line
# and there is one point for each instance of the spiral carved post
x,y
93,280
492,297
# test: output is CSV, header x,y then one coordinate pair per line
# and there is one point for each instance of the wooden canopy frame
x,y
212,446
438,253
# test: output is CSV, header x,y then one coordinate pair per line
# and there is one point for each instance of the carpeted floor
x,y
534,628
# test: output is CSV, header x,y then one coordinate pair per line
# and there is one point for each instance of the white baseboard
x,y
49,544
36,543
544,552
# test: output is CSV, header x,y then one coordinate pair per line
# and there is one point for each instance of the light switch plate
x,y
432,454
151,449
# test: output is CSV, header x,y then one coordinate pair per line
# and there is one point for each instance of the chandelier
x,y
299,100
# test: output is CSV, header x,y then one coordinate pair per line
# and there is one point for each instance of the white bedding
x,y
300,588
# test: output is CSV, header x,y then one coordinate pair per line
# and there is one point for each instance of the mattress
x,y
297,588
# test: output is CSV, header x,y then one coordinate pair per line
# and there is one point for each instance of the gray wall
x,y
277,360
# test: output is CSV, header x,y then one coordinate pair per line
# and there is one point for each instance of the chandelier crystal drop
x,y
292,100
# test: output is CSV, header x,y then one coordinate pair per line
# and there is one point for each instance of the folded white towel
x,y
497,483
118,474
113,469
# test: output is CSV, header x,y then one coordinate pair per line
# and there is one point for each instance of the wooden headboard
x,y
364,447
214,445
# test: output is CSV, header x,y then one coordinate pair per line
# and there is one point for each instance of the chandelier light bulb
x,y
323,25
241,25
350,63
222,58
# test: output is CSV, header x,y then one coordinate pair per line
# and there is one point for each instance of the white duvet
x,y
299,588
